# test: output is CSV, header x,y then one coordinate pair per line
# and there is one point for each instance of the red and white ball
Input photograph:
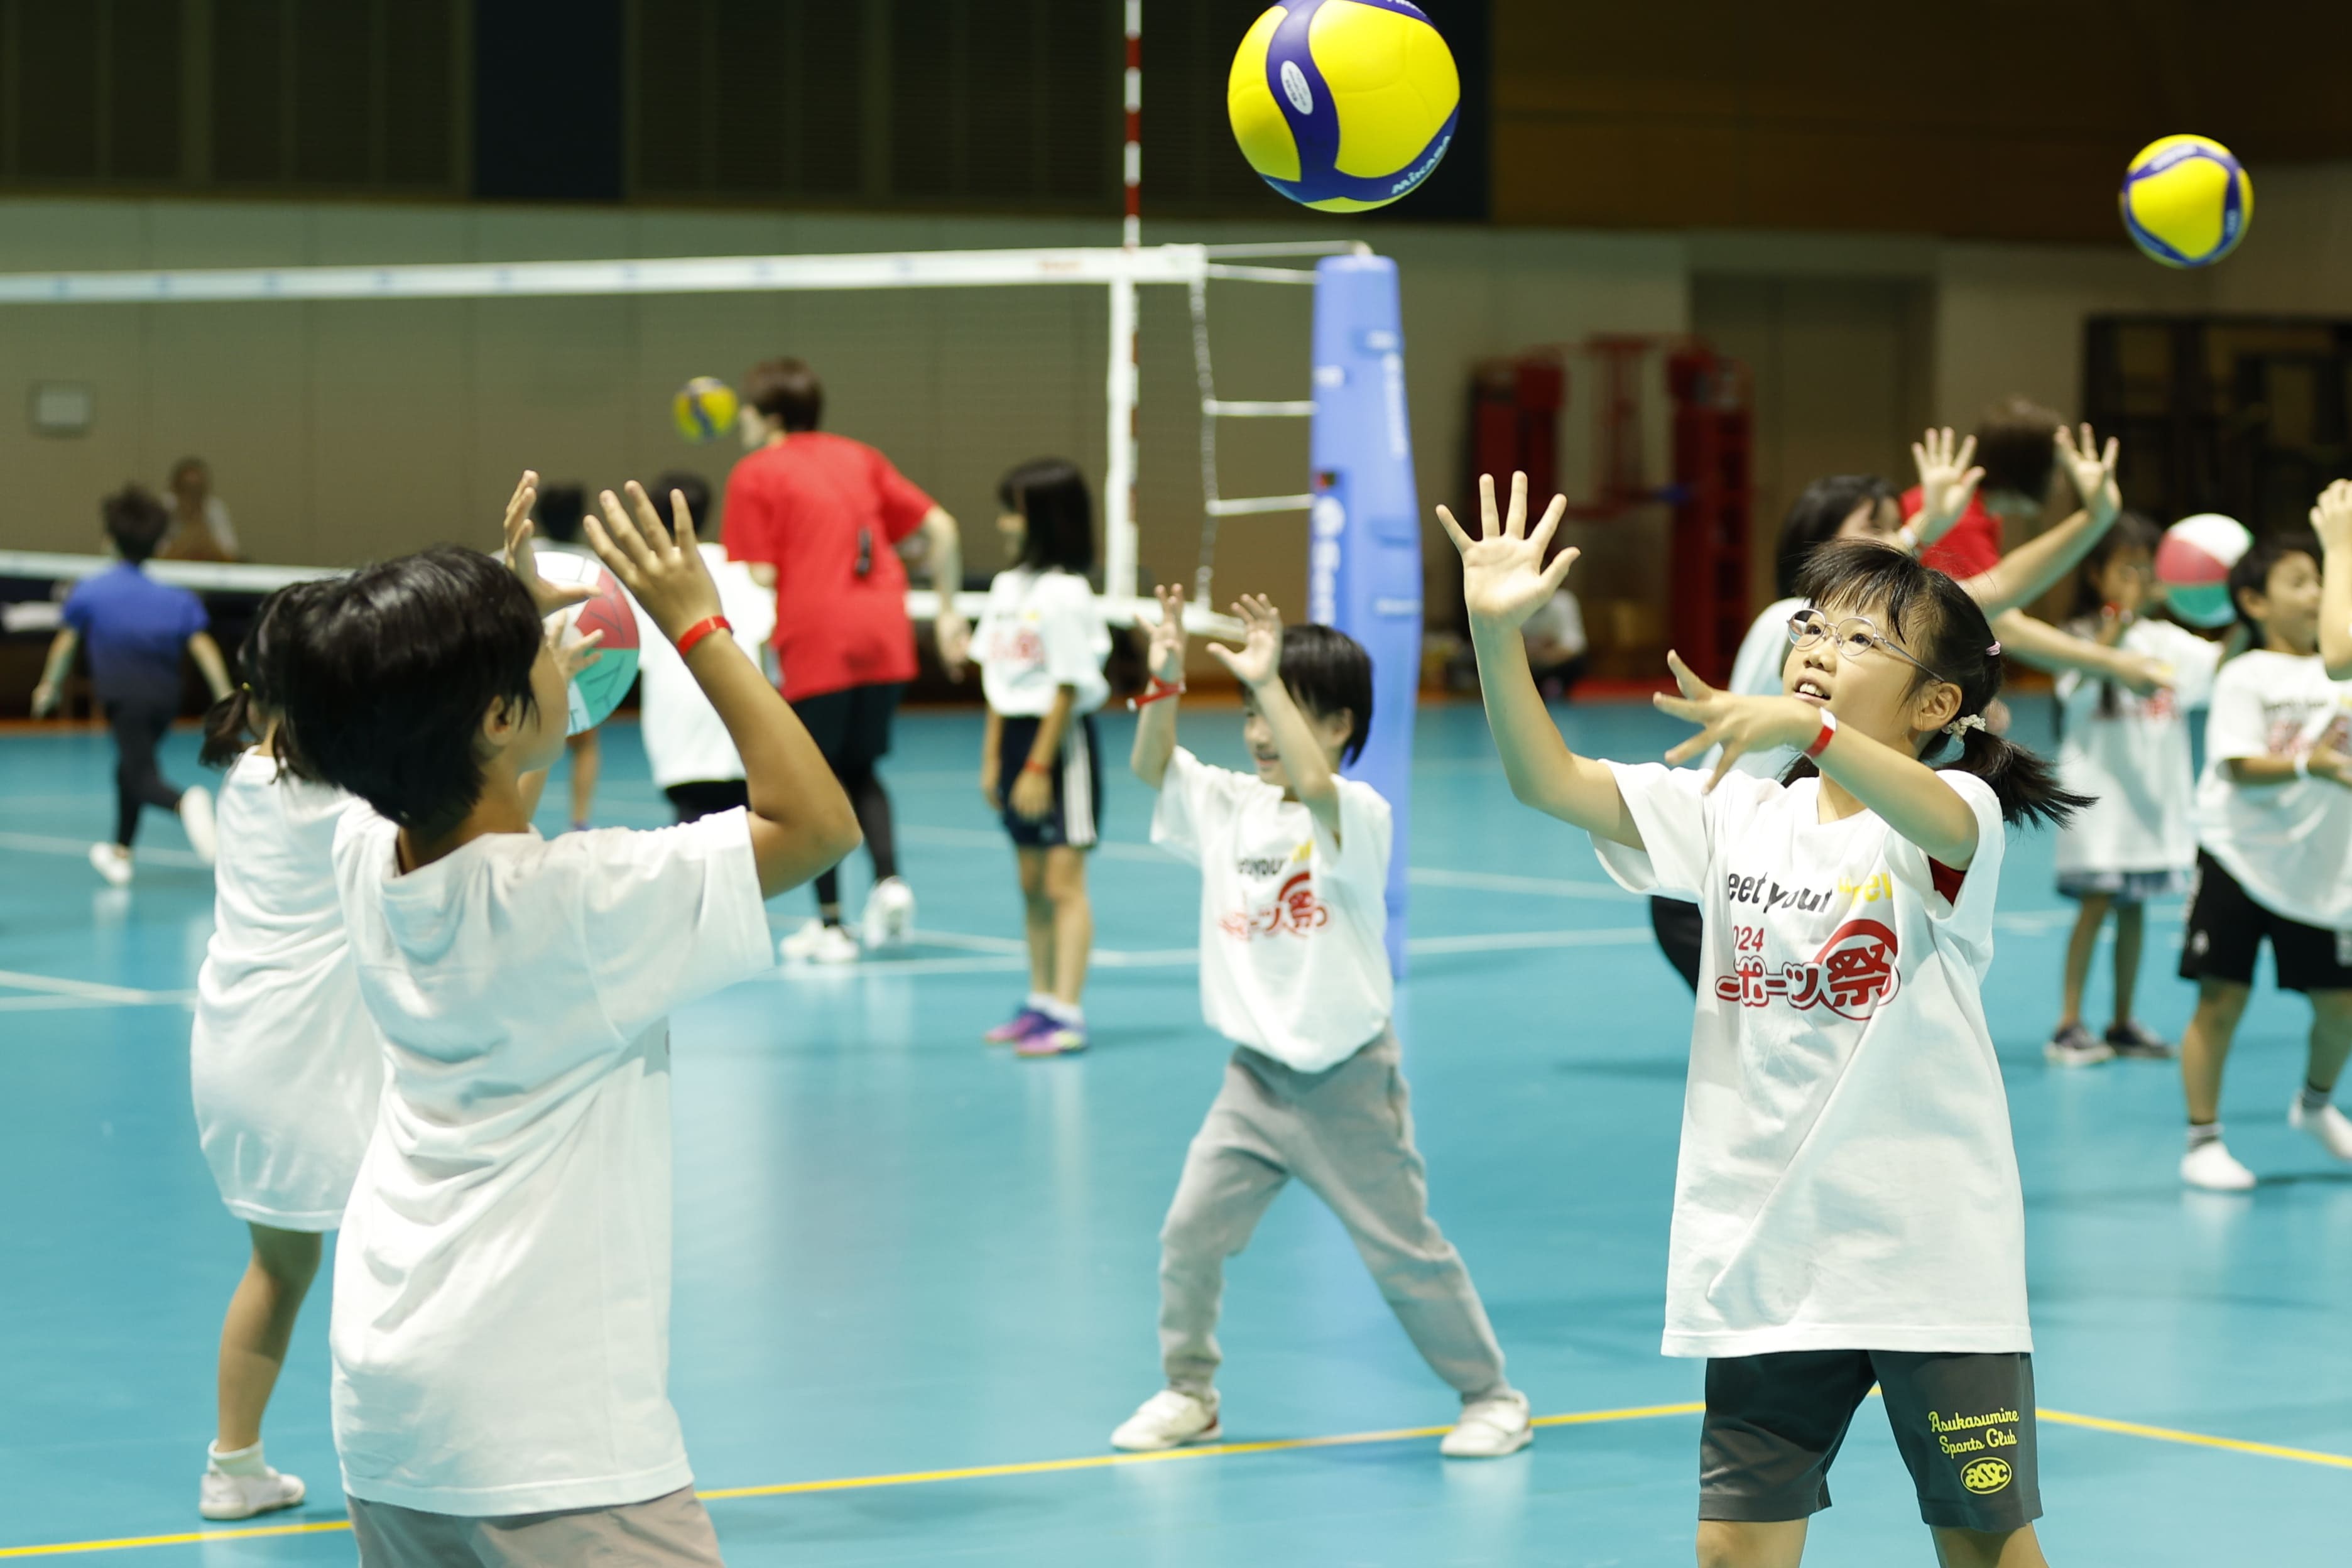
x,y
2192,567
597,690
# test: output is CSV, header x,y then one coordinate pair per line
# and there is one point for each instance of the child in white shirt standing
x,y
1041,645
2274,823
1847,1209
1293,970
2128,752
501,1317
285,1063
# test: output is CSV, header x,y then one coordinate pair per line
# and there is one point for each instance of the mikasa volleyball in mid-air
x,y
2186,201
1343,105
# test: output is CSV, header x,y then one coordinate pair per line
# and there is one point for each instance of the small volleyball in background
x,y
2186,202
597,690
2192,567
1343,105
704,409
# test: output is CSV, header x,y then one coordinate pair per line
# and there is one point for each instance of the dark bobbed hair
x,y
2252,574
1814,518
562,514
1327,672
263,661
697,490
2017,446
1050,494
135,520
2131,531
785,389
391,671
1945,629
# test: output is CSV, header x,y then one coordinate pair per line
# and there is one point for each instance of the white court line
x,y
43,844
89,991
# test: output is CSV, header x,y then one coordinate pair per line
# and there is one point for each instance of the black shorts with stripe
x,y
1073,820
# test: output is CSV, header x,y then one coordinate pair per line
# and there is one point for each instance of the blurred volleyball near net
x,y
2192,567
1343,105
704,409
596,690
2184,201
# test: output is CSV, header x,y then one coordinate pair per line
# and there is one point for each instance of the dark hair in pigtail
x,y
1946,631
237,721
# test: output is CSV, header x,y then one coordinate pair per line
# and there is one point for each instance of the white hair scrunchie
x,y
1959,728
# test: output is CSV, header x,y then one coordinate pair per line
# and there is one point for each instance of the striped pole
x,y
1121,532
1131,231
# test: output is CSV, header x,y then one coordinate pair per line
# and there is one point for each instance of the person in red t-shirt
x,y
824,520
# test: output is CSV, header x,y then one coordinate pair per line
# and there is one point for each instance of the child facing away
x,y
2275,831
136,629
1847,1209
1293,872
693,763
285,1063
1041,645
501,1309
2128,752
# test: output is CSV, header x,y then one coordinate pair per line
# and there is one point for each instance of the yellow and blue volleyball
x,y
2186,201
1343,105
704,409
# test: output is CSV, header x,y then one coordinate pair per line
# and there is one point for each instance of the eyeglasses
x,y
1856,635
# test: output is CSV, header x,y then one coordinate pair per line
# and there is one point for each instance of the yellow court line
x,y
1207,1451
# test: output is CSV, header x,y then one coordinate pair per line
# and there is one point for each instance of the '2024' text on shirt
x,y
1292,924
1847,1179
2289,845
501,1309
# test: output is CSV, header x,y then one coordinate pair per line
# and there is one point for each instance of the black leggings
x,y
852,728
138,724
872,806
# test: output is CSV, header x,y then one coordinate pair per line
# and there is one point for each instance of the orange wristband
x,y
699,631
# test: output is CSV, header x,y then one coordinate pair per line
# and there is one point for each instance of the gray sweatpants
x,y
671,1530
1347,1132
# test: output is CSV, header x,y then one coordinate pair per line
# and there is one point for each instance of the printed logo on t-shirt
x,y
1852,975
1017,644
1292,910
2285,721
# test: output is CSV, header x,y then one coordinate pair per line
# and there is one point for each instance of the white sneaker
x,y
2329,1128
196,816
1490,1428
890,913
817,942
223,1496
1170,1420
111,861
2212,1167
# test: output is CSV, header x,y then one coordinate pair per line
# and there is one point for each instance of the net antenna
x,y
1119,271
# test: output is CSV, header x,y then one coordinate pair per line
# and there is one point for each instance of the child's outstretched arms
x,y
2332,520
2031,570
1948,482
1901,789
1258,666
1504,579
1155,727
800,820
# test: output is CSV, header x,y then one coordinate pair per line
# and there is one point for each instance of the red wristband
x,y
1821,741
1159,692
699,631
1034,766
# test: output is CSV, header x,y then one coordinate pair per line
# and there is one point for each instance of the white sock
x,y
2199,1136
1069,1014
1039,1002
237,1461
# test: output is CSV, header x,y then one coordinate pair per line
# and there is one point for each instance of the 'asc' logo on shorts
x,y
1986,1475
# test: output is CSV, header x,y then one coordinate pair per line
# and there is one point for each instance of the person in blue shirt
x,y
136,629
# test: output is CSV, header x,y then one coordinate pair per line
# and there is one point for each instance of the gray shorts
x,y
671,1531
1963,1422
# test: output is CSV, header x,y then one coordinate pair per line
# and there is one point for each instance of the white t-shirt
x,y
684,741
285,1063
1558,619
1042,631
1847,1179
501,1314
1756,672
2288,845
2135,762
1294,961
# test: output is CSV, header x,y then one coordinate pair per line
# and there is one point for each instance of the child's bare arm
x,y
1903,790
1258,666
2031,570
1155,726
1033,790
209,663
800,820
2332,520
1504,579
54,670
2320,762
991,757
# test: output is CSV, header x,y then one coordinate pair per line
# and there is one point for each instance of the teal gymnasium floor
x,y
915,1282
